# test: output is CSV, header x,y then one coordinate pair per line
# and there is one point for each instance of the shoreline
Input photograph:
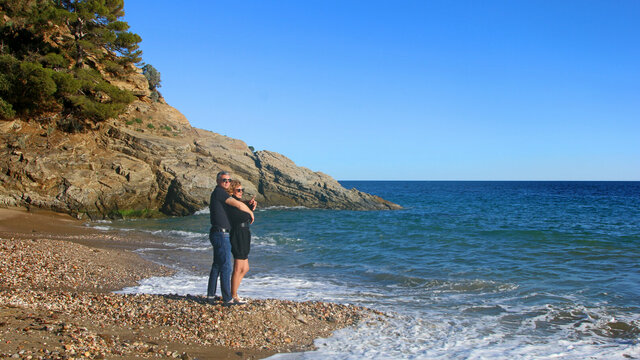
x,y
57,279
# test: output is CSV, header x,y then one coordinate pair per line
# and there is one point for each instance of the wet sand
x,y
57,279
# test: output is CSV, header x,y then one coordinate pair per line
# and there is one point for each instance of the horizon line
x,y
492,180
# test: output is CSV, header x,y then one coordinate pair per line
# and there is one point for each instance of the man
x,y
219,237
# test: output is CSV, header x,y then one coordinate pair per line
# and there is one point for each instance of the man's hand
x,y
240,205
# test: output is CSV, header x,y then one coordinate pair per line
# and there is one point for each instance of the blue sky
x,y
409,90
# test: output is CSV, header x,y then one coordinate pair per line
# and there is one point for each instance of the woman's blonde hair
x,y
233,185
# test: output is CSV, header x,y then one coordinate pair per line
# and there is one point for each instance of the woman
x,y
240,237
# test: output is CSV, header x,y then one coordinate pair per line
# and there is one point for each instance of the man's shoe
x,y
214,298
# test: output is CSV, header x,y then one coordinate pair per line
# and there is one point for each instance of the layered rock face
x,y
151,159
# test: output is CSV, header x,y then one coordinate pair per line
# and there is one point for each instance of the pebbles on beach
x,y
55,305
57,264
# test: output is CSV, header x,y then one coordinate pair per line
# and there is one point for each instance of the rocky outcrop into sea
x,y
150,161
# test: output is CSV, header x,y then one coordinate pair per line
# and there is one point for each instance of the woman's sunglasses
x,y
239,190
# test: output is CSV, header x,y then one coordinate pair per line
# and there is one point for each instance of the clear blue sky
x,y
413,90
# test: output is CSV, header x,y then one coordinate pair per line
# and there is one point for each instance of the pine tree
x,y
95,28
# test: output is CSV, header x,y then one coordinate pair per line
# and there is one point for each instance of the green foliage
x,y
126,43
6,83
167,128
8,68
152,75
6,110
155,96
138,120
54,61
26,85
99,100
23,24
50,52
129,122
114,67
31,88
96,110
94,26
67,85
37,85
150,126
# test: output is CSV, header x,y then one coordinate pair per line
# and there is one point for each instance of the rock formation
x,y
150,159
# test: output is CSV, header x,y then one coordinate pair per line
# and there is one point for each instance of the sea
x,y
466,270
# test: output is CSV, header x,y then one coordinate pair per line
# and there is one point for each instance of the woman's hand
x,y
253,203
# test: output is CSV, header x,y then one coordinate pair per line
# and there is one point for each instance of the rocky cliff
x,y
149,159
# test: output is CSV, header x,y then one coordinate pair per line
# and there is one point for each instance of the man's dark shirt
x,y
219,219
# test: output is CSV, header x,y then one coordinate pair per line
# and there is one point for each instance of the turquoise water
x,y
469,269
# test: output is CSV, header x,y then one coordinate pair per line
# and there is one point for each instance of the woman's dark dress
x,y
240,234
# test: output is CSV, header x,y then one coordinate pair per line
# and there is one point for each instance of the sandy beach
x,y
57,279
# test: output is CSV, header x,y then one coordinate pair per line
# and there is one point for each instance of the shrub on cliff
x,y
6,110
99,100
153,77
27,86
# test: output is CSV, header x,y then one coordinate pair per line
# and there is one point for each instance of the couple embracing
x,y
230,220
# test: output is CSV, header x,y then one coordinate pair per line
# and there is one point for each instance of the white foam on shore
x,y
102,227
273,240
196,249
417,339
180,234
171,234
107,227
179,284
428,333
204,211
265,287
432,336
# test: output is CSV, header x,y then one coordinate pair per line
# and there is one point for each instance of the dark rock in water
x,y
151,160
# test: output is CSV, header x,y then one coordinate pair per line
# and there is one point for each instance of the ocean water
x,y
467,270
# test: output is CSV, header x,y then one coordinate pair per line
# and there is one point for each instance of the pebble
x,y
59,278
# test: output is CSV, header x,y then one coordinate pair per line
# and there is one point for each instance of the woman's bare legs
x,y
240,268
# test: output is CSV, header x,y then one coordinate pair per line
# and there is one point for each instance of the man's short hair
x,y
220,174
